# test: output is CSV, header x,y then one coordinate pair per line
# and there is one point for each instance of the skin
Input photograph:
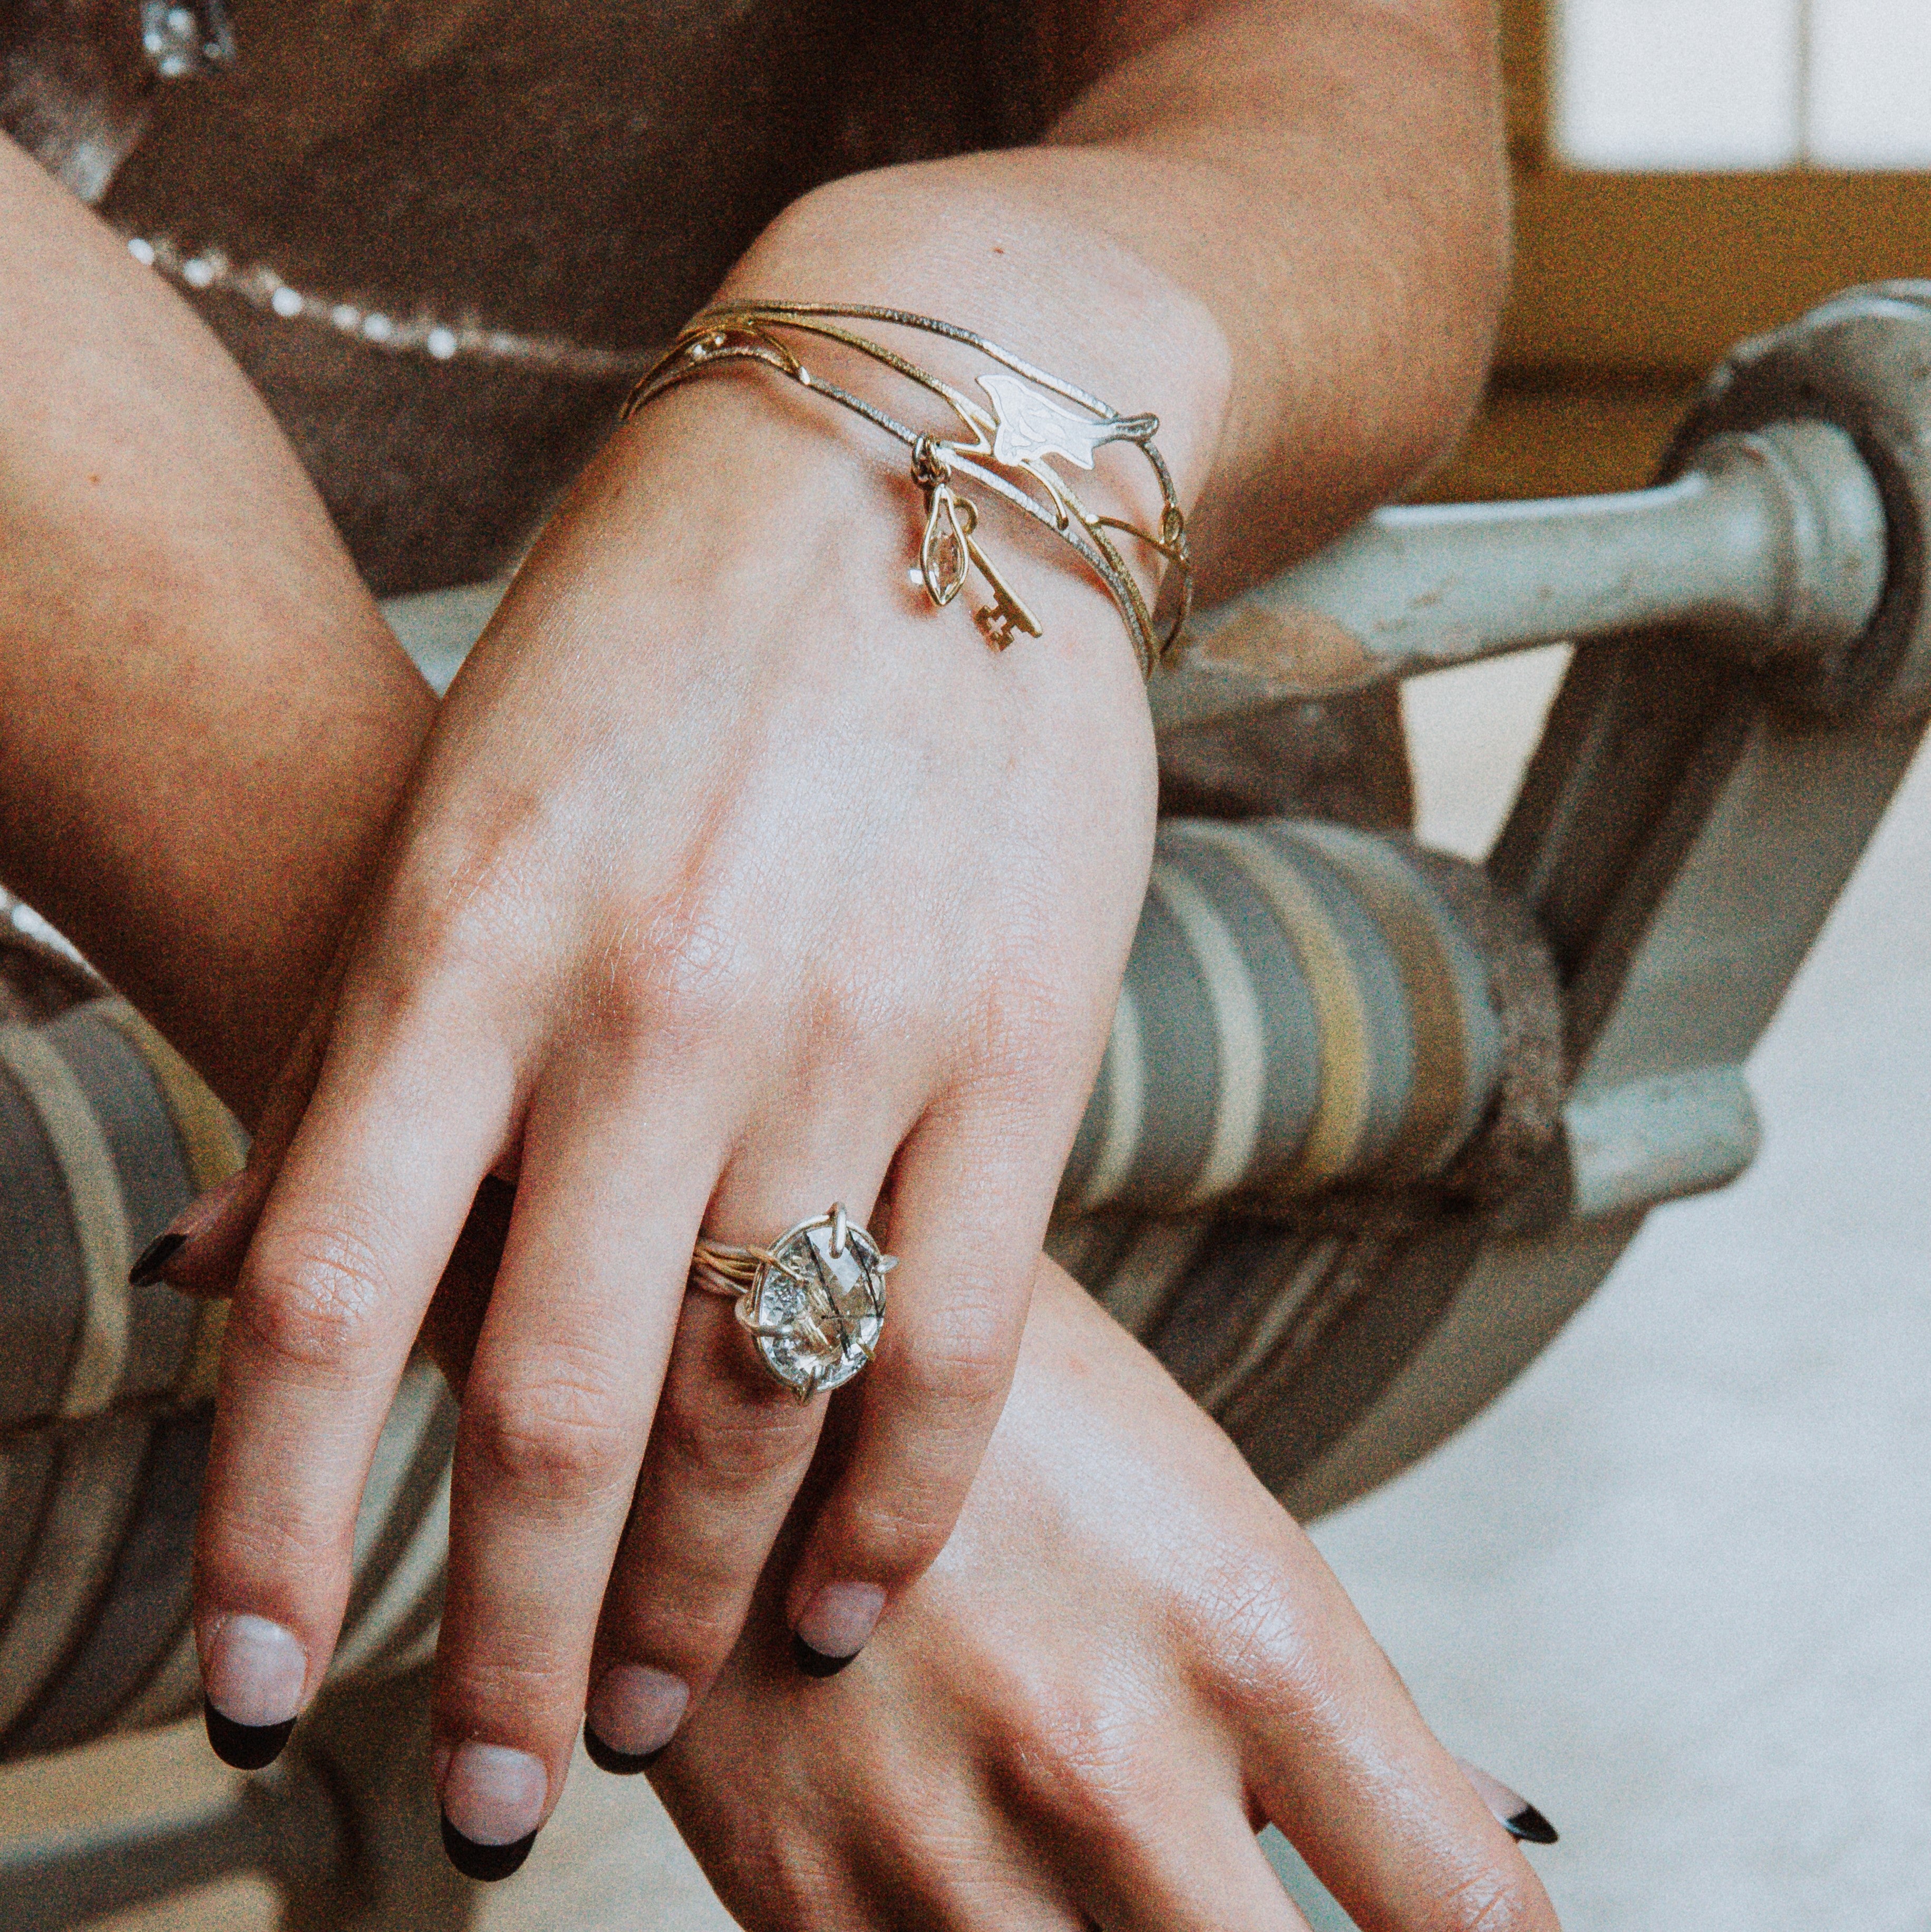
x,y
1127,1655
1204,1672
593,898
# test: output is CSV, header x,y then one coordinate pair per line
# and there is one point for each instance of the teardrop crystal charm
x,y
943,557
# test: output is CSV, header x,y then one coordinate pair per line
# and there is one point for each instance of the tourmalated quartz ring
x,y
814,1301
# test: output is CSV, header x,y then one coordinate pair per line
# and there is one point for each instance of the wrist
x,y
767,498
993,242
969,415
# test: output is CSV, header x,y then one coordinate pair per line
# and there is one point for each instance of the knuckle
x,y
687,1616
485,1689
311,1299
674,975
253,1544
1262,1643
731,1437
559,1437
459,903
838,1030
959,1372
881,1028
893,1539
784,1884
1084,1771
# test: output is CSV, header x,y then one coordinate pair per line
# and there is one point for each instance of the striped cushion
x,y
106,1396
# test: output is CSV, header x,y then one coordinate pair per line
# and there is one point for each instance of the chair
x,y
1373,1122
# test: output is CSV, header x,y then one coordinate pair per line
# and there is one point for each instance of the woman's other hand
x,y
1127,1658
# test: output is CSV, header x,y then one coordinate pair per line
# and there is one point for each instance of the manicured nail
x,y
200,1214
634,1712
1529,1823
152,1263
485,1863
492,1801
837,1624
1517,1816
253,1675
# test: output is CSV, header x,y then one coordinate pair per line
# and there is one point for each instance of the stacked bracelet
x,y
1008,441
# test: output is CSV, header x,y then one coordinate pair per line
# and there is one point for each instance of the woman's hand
x,y
733,878
1126,1659
733,883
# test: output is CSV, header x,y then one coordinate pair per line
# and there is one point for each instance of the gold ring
x,y
814,1300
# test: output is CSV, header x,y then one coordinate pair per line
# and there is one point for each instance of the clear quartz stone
x,y
827,1323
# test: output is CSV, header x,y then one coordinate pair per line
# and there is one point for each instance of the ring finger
x,y
729,1448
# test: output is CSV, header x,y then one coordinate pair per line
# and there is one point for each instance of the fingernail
x,y
253,1676
152,1263
485,1863
199,1213
492,1800
1530,1824
634,1712
1517,1816
837,1624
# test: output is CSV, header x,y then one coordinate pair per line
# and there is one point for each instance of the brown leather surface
x,y
1343,758
581,169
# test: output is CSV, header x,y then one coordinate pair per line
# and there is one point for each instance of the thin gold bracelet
x,y
1009,440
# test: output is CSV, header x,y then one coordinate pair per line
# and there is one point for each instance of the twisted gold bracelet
x,y
1009,440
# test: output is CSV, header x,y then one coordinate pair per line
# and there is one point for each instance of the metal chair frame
x,y
1752,670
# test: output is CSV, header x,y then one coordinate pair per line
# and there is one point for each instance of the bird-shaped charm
x,y
1027,428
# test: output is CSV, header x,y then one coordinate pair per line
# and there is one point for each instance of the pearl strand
x,y
258,285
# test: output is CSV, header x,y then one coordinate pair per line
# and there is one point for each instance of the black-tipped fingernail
x,y
485,1863
153,1258
246,1747
619,1764
1529,1823
815,1663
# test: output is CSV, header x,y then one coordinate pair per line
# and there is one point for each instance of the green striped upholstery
x,y
1302,1008
106,1396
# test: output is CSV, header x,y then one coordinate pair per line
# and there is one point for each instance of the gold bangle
x,y
1009,439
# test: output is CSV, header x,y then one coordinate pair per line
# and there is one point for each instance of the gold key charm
x,y
1004,615
949,546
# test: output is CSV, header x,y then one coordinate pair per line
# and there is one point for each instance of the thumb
x,y
201,1250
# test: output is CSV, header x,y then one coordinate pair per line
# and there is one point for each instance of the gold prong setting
x,y
813,1302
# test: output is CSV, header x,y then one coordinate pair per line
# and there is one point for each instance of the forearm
x,y
1281,224
204,722
1278,225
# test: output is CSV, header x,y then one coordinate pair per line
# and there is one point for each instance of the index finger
x,y
362,1216
1340,1758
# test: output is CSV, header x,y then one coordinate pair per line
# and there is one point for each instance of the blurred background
x,y
1675,1585
1687,173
